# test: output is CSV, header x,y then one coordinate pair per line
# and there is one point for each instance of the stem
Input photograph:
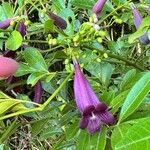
x,y
40,108
51,49
119,7
129,63
36,41
57,90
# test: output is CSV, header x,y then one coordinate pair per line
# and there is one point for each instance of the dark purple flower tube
x,y
97,8
22,28
137,22
94,112
5,24
37,92
58,21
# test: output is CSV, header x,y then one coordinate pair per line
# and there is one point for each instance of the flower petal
x,y
84,122
94,124
107,117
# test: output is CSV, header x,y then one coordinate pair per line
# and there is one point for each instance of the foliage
x,y
115,62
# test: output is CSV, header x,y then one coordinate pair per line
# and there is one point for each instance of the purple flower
x,y
94,112
97,8
58,21
22,28
37,92
137,22
5,24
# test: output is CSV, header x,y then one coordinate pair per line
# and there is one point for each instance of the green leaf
x,y
127,79
6,105
34,77
37,126
118,133
118,100
135,96
14,41
136,137
6,11
35,59
24,69
49,26
94,142
83,3
9,131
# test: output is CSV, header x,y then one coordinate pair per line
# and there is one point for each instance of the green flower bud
x,y
91,19
12,23
54,41
98,60
105,55
92,30
66,61
99,39
50,41
102,33
119,21
76,38
27,22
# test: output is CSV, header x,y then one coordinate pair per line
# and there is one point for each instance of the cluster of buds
x,y
88,32
51,40
117,20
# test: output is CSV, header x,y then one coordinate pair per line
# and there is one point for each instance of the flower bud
x,y
97,8
22,28
8,67
58,21
99,39
5,24
137,22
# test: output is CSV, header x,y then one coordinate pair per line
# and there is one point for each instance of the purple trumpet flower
x,y
97,8
37,92
22,28
5,24
58,21
94,112
137,22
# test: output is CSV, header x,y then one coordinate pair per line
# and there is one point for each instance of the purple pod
x,y
97,8
37,92
22,28
5,24
58,21
137,22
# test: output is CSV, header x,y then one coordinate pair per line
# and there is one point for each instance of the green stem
x,y
57,90
51,49
119,7
36,41
43,105
129,63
